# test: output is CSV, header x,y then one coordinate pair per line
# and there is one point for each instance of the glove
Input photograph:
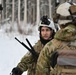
x,y
53,59
16,71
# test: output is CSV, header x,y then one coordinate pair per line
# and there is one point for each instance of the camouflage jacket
x,y
28,62
61,40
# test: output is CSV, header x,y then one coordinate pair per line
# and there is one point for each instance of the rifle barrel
x,y
31,50
29,44
23,44
18,40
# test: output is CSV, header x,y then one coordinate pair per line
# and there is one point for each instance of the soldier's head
x,y
46,29
65,13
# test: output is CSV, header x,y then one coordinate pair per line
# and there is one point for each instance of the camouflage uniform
x,y
28,62
64,39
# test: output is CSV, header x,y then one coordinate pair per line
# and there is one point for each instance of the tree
x,y
25,12
19,12
38,12
50,14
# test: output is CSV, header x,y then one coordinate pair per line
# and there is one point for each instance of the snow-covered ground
x,y
12,51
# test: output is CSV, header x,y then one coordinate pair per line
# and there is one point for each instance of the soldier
x,y
58,56
28,62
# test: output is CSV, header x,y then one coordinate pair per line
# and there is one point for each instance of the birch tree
x,y
38,11
50,9
25,12
6,8
0,13
12,12
11,28
19,12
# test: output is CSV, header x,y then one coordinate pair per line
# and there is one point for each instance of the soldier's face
x,y
46,33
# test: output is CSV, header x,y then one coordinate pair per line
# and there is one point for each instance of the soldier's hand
x,y
54,58
16,71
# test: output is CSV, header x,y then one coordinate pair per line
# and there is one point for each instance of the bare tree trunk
x,y
0,13
12,12
50,9
11,28
6,9
33,14
25,12
0,1
19,12
18,24
38,11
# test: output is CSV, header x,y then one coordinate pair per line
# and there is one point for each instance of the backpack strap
x,y
69,71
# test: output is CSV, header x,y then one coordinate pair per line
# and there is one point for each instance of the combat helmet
x,y
66,13
45,21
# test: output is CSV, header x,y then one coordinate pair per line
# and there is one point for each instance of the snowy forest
x,y
20,18
23,13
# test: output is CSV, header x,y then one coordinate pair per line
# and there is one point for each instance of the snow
x,y
11,51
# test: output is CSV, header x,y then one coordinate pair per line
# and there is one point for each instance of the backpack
x,y
64,62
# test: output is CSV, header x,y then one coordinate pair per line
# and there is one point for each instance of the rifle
x,y
34,53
